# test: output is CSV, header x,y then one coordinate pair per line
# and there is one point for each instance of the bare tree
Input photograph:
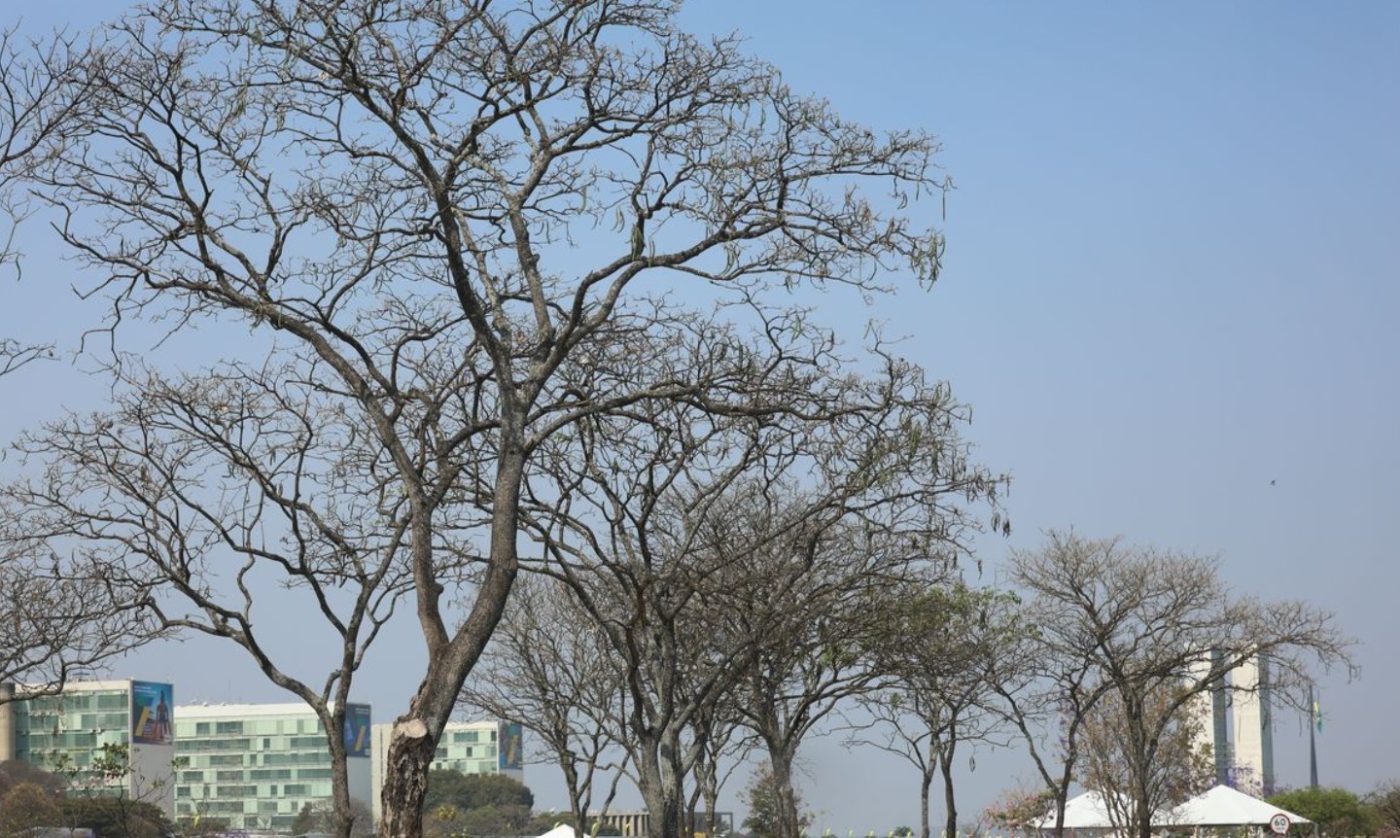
x,y
934,694
439,205
1183,767
42,94
1145,633
696,538
821,637
548,670
63,619
211,498
720,745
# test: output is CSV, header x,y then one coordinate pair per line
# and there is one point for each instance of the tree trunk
x,y
411,750
945,762
789,820
341,818
413,742
1143,804
577,808
1062,790
926,782
659,776
711,794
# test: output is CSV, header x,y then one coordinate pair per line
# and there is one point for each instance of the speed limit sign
x,y
1279,824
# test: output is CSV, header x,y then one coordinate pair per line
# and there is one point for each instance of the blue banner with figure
x,y
152,713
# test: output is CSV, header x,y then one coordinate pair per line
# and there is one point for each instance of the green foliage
x,y
762,797
460,804
28,806
306,820
1385,801
321,818
475,791
115,818
1337,812
15,772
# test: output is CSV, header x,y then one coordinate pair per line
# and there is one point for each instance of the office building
x,y
634,823
254,766
488,747
112,738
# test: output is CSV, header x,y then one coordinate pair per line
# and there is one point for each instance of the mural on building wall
x,y
152,706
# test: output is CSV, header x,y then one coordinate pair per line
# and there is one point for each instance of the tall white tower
x,y
1211,708
1253,752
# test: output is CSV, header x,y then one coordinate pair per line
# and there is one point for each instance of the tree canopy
x,y
1337,812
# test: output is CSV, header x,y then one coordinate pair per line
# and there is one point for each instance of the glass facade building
x,y
110,738
254,766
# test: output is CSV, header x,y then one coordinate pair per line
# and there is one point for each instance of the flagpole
x,y
1312,736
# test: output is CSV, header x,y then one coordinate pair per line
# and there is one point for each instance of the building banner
x,y
151,707
357,730
509,747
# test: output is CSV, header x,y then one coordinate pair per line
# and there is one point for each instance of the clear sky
x,y
1172,277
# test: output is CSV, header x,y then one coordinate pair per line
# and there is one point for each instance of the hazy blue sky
x,y
1171,280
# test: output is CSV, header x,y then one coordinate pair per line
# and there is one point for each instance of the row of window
x,y
72,721
74,702
257,774
249,792
291,758
248,727
264,821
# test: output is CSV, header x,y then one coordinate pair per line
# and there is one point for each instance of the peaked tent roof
x,y
1224,806
1084,811
1221,806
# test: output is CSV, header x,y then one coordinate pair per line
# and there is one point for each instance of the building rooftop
x,y
210,711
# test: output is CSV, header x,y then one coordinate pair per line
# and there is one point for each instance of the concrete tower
x,y
1253,756
1211,708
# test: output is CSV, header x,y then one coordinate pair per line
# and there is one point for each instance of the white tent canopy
x,y
1086,811
1221,806
1224,806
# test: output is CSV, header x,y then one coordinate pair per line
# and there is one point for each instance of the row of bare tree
x,y
1096,661
501,286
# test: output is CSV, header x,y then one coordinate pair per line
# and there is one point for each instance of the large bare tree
x,y
1138,635
429,208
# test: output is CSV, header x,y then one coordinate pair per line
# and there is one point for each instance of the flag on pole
x,y
1317,715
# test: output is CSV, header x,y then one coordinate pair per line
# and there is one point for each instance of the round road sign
x,y
1279,824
